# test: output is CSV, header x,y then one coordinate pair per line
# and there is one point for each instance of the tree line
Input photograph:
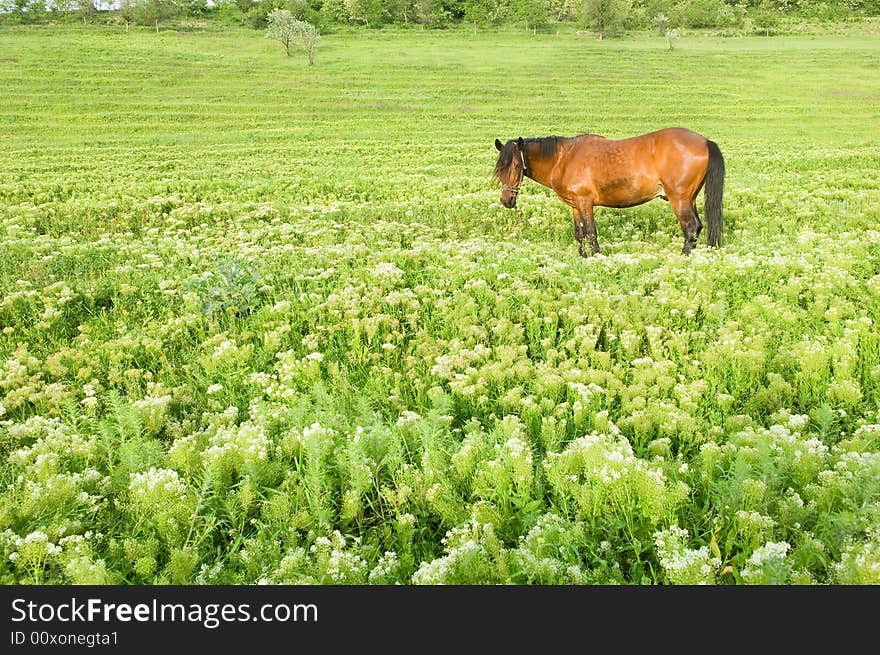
x,y
599,15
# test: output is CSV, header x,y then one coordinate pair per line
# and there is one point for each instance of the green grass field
x,y
267,322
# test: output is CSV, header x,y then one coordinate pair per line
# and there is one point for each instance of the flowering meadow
x,y
265,322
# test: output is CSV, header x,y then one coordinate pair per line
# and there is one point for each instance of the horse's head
x,y
510,169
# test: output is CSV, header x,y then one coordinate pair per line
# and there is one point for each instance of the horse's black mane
x,y
548,149
547,143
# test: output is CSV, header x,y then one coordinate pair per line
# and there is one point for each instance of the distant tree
x,y
244,6
702,13
365,11
303,10
25,11
485,12
126,12
563,9
226,11
476,12
650,8
154,11
283,27
334,11
66,7
194,8
401,11
765,21
257,15
661,22
870,7
431,13
605,15
86,9
534,13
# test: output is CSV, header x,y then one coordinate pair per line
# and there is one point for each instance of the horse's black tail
x,y
714,194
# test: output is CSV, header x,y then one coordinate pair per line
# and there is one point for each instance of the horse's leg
x,y
578,232
689,220
588,226
696,215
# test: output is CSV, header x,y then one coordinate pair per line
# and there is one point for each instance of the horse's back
x,y
631,171
643,145
679,136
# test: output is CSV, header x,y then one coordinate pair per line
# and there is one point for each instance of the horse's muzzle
x,y
510,202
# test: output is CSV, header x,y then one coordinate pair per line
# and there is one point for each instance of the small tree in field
x,y
605,15
126,12
309,37
661,22
534,13
154,11
86,9
287,29
280,27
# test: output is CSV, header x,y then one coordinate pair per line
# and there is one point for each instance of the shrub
x,y
283,27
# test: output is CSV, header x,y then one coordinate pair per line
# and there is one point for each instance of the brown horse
x,y
589,170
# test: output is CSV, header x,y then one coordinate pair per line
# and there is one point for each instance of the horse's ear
x,y
498,145
519,142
